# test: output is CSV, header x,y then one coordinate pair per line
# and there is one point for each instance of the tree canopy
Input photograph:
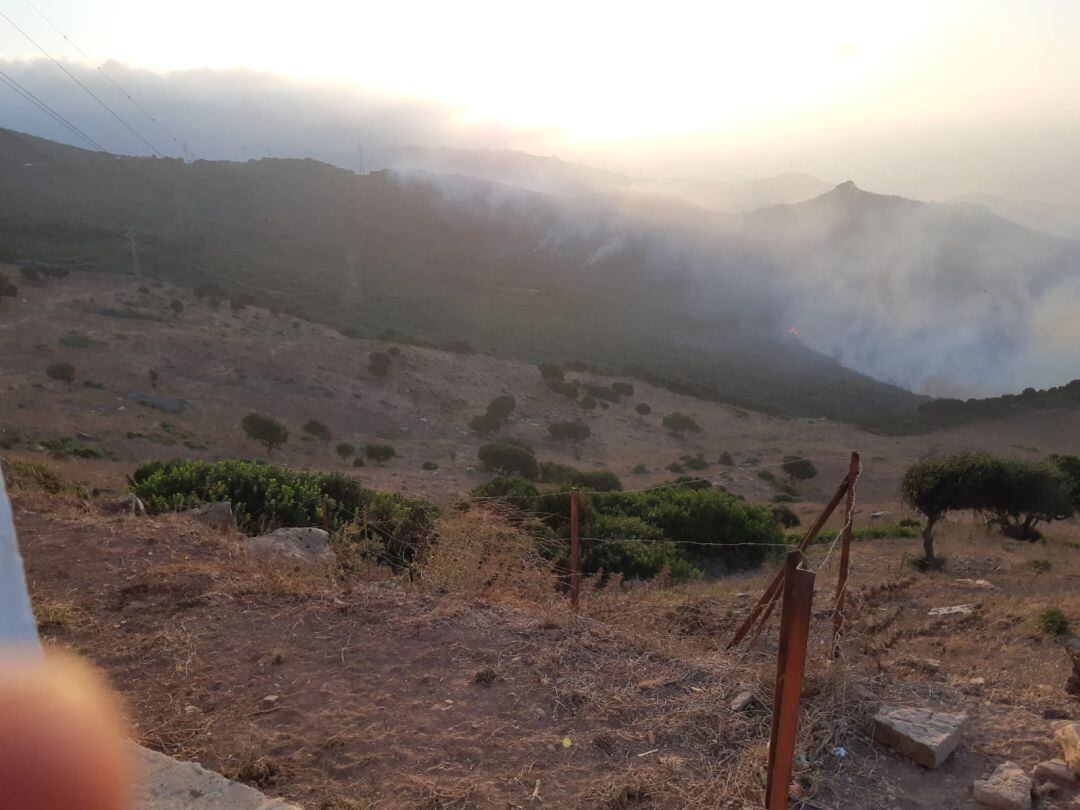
x,y
265,429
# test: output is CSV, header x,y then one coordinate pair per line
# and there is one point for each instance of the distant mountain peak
x,y
847,187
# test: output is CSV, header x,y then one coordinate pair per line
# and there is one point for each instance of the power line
x,y
45,108
111,80
88,91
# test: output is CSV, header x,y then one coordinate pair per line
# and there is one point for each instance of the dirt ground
x,y
372,691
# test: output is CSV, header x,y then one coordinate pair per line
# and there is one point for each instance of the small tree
x,y
680,423
266,429
502,406
799,468
643,408
510,459
574,431
63,372
379,453
344,449
623,389
313,427
485,424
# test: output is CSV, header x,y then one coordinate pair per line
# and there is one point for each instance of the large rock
x,y
1007,788
1055,770
1068,737
1072,647
217,515
126,504
164,783
306,545
922,735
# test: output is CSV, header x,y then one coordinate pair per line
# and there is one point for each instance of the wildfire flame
x,y
793,331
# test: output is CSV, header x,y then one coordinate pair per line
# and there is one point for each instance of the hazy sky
x,y
928,99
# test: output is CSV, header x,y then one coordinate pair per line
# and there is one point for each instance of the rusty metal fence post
x,y
798,597
575,552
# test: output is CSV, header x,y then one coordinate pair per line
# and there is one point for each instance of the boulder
x,y
1068,737
954,610
305,545
1072,647
1055,770
128,504
1007,788
744,701
922,735
217,515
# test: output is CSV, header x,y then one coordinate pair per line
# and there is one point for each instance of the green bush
x,y
570,390
344,449
63,372
550,372
726,459
266,429
501,407
588,403
63,448
512,489
1053,622
643,408
623,389
597,480
680,423
799,468
1070,467
314,427
785,516
601,392
485,424
634,548
696,463
358,462
639,469
378,364
675,467
509,459
574,431
379,453
430,466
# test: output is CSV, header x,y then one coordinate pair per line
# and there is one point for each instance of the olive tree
x,y
265,429
679,423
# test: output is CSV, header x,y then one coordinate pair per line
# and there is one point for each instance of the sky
x,y
926,99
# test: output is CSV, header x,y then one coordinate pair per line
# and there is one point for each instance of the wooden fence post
x,y
845,551
798,596
575,552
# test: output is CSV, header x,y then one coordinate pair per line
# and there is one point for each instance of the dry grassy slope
x,y
224,365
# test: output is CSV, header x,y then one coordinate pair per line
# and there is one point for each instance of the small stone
x,y
977,584
217,515
954,610
1007,788
1055,770
305,545
196,710
744,701
269,702
923,735
928,665
128,504
1068,737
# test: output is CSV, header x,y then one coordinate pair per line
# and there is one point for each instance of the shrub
x,y
378,364
679,423
317,429
344,449
696,463
62,448
266,429
597,480
514,490
265,497
569,390
517,442
1053,622
485,423
639,469
551,372
509,459
501,407
63,372
576,365
430,466
74,340
726,459
588,403
379,453
799,468
177,306
768,476
675,467
623,389
785,517
1070,467
601,392
574,431
1010,493
643,408
358,462
634,548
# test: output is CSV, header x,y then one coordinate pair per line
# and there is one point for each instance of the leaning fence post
x,y
845,550
575,552
798,596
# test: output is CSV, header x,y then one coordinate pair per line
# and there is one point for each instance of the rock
x,y
1055,770
164,783
1068,737
878,515
1072,647
954,610
269,702
927,665
977,584
744,701
923,735
217,515
1007,788
84,437
128,504
306,545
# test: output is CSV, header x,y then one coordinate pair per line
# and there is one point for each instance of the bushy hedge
x,y
266,497
509,458
569,477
